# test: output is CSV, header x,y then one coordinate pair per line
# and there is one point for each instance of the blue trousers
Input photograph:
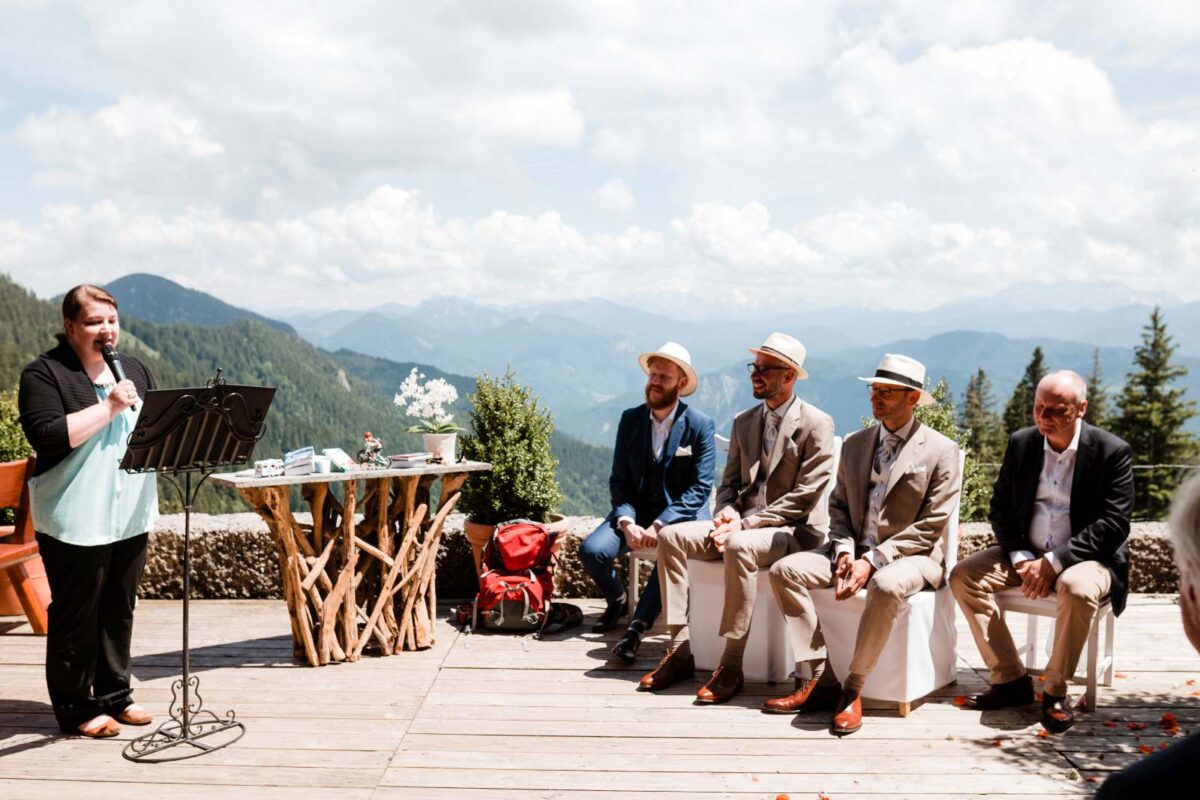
x,y
598,551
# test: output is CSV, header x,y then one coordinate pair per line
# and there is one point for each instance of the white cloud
x,y
616,196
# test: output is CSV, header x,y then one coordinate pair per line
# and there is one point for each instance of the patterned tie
x,y
885,454
771,432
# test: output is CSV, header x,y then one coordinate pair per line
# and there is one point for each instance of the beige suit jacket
x,y
799,469
921,493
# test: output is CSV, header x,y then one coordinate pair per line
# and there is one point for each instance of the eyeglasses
x,y
755,369
885,393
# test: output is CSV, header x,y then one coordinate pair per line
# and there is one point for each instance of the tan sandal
x,y
135,715
101,727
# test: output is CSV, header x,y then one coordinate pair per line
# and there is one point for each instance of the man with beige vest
x,y
769,505
896,490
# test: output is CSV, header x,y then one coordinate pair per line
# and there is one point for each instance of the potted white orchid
x,y
428,402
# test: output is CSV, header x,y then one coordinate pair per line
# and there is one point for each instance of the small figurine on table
x,y
371,454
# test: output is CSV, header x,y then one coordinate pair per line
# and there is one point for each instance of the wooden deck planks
x,y
500,717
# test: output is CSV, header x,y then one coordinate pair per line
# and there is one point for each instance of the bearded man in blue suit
x,y
662,473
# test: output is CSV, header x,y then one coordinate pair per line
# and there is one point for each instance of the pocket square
x,y
683,451
917,468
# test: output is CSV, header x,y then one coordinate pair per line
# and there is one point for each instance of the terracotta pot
x,y
10,605
478,535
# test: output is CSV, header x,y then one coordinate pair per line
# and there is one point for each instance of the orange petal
x,y
1043,734
1110,723
1092,779
1190,681
1136,726
1168,720
961,700
1122,675
1145,749
1163,745
1195,694
997,743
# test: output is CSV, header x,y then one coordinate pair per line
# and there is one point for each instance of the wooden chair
x,y
17,543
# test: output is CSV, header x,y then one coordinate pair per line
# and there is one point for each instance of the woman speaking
x,y
91,518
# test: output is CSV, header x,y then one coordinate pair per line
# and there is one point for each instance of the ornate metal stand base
x,y
188,725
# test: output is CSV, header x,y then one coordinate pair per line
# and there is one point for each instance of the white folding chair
x,y
768,656
636,557
920,655
1012,601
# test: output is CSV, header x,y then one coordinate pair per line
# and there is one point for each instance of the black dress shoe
x,y
1018,692
627,646
1057,715
611,616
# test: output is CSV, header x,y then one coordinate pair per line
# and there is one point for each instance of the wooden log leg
x,y
426,567
350,561
264,502
383,529
905,709
302,618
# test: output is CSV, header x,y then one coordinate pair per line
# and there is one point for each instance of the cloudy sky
x,y
675,156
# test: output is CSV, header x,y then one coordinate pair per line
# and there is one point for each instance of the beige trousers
x,y
746,552
793,579
1078,591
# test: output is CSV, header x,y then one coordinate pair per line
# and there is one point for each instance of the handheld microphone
x,y
109,354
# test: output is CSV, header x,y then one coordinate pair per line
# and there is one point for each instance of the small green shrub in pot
x,y
511,431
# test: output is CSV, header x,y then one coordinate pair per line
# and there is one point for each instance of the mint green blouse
x,y
86,499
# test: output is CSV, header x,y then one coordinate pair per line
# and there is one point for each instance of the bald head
x,y
1059,404
1065,383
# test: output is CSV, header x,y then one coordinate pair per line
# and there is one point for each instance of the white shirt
x,y
1051,523
879,483
660,431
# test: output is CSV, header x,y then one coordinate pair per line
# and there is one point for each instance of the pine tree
x,y
1152,416
1099,411
1018,411
976,486
980,418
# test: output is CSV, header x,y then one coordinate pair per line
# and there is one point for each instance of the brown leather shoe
x,y
134,715
809,696
722,686
670,670
849,719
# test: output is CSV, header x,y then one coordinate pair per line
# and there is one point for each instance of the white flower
x,y
426,401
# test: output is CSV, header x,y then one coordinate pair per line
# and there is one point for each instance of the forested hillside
x,y
322,399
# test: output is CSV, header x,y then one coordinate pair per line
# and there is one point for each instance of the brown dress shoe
x,y
809,696
849,719
671,669
722,686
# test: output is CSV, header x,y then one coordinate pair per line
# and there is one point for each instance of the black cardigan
x,y
54,385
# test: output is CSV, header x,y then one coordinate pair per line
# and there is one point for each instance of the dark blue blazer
x,y
687,479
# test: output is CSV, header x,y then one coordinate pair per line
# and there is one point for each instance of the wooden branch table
x,y
349,581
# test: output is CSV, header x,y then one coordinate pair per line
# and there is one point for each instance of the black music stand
x,y
186,431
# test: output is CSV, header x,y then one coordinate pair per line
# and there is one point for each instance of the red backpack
x,y
517,585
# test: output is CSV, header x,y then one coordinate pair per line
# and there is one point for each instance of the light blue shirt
x,y
86,499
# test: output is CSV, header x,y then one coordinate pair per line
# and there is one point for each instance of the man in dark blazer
x,y
662,473
1060,511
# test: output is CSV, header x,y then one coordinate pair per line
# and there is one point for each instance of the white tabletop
x,y
240,481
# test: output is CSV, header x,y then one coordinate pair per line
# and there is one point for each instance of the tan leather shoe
x,y
849,719
135,715
670,670
101,727
722,686
809,696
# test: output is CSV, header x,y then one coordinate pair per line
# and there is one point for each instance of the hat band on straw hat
x,y
899,378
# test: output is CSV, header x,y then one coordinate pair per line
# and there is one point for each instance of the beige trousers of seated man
x,y
793,579
1078,590
746,552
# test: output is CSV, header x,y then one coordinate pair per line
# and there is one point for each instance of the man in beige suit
x,y
780,462
897,486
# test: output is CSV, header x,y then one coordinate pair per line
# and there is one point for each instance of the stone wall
x,y
233,557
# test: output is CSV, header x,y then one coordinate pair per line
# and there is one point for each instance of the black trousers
x,y
92,592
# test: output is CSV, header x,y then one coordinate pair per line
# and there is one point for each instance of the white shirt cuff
x,y
876,558
622,520
1054,562
1017,556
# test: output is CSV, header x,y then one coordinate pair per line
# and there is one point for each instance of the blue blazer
x,y
687,479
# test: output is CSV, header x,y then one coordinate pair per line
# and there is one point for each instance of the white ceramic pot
x,y
441,445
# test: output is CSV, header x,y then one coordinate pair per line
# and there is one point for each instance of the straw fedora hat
x,y
678,355
898,370
787,349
